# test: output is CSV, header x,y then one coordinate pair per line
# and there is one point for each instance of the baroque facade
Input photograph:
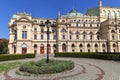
x,y
96,31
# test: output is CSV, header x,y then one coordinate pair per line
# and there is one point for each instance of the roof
x,y
93,12
111,7
14,16
73,13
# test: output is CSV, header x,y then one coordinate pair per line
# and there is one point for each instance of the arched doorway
x,y
49,49
54,48
24,48
35,48
63,47
41,49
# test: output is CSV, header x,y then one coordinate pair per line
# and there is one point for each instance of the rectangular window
x,y
54,37
70,36
35,29
77,36
91,37
42,37
24,34
35,37
63,36
84,36
48,37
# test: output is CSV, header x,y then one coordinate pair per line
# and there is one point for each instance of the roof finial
x,y
58,13
100,3
73,7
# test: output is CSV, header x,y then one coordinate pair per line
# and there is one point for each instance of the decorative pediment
x,y
24,19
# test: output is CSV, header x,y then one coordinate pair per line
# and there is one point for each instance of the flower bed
x,y
41,67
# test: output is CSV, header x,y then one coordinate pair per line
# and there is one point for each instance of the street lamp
x,y
47,23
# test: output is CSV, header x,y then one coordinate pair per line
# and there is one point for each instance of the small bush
x,y
106,56
41,67
7,57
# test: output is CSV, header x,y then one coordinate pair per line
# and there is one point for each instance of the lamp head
x,y
48,23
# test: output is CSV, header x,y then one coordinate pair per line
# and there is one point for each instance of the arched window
x,y
96,50
80,45
63,20
35,20
112,31
73,45
103,50
96,45
103,45
114,45
88,45
104,12
54,45
35,45
114,13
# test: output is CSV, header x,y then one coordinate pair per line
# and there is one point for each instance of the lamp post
x,y
47,23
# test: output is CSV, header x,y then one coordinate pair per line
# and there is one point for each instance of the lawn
x,y
8,66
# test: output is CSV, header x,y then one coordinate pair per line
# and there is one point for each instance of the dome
x,y
74,12
14,16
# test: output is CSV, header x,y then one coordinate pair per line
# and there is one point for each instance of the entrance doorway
x,y
49,49
41,49
63,47
24,48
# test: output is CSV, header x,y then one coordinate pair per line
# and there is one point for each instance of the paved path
x,y
85,69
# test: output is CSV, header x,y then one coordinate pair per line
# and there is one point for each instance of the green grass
x,y
8,66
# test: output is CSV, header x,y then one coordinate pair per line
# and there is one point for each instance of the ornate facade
x,y
96,31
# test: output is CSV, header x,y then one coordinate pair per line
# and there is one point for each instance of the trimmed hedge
x,y
105,56
7,57
41,67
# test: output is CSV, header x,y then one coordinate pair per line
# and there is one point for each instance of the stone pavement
x,y
85,69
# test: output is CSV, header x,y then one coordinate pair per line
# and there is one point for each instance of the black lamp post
x,y
48,23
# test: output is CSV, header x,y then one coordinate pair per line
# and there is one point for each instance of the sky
x,y
44,9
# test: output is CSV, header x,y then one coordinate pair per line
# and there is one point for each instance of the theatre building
x,y
96,31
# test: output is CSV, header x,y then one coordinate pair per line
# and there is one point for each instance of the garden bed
x,y
41,67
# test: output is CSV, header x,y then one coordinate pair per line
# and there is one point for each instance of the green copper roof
x,y
14,16
74,12
93,12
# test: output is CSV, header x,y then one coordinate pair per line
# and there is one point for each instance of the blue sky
x,y
44,9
